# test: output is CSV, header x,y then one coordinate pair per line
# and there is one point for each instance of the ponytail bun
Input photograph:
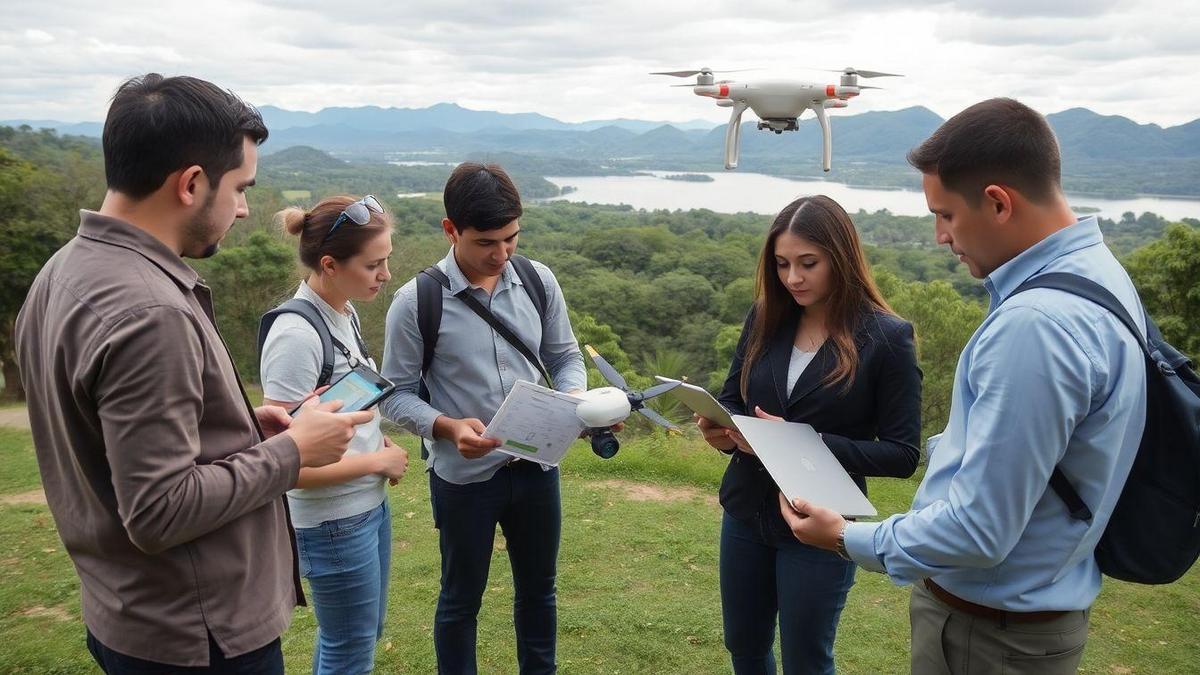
x,y
292,219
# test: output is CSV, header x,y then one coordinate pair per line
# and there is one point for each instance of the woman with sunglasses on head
x,y
822,347
340,512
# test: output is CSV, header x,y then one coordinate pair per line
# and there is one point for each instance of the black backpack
x,y
430,283
1153,536
313,316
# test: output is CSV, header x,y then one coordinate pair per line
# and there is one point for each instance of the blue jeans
x,y
524,500
764,574
346,562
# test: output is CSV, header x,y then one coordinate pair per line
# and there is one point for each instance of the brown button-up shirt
x,y
165,495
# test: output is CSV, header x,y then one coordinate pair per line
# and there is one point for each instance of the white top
x,y
291,363
796,365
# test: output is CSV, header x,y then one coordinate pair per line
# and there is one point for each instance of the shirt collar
x,y
458,280
1006,278
117,232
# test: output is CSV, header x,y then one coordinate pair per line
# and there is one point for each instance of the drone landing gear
x,y
778,125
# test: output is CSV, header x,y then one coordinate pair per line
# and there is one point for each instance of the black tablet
x,y
358,389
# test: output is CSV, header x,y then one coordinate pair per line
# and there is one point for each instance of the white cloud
x,y
590,59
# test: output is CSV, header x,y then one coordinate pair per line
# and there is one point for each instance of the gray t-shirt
x,y
291,363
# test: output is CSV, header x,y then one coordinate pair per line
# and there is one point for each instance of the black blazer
x,y
873,428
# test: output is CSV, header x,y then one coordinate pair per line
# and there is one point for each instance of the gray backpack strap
x,y
312,315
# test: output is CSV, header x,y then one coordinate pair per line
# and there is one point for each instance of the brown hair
x,y
997,141
312,227
824,223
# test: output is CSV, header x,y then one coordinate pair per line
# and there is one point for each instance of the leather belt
x,y
1001,616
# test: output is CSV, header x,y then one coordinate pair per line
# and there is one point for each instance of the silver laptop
x,y
803,466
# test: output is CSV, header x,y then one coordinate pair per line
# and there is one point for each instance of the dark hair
x,y
997,141
158,125
481,197
312,226
825,223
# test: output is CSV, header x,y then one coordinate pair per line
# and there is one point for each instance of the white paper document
x,y
536,423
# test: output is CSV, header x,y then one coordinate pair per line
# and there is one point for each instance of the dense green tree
x,y
943,321
1167,275
38,214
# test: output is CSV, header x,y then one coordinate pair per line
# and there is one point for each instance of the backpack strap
x,y
1088,290
312,315
535,288
430,283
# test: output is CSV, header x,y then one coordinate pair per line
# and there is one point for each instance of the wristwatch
x,y
840,547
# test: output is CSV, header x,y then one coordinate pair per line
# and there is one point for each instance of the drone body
x,y
778,104
603,407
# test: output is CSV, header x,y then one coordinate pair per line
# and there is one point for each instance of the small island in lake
x,y
690,177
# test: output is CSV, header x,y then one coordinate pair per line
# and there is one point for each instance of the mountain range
x,y
1105,152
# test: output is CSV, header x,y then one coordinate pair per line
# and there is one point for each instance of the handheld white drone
x,y
778,104
605,406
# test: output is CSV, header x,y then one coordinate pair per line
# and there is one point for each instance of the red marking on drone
x,y
830,90
723,92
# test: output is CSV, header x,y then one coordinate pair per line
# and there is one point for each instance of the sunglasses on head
x,y
358,213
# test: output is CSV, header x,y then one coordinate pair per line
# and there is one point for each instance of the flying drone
x,y
778,104
605,406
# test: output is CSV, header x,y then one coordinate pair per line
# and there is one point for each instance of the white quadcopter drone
x,y
603,407
778,104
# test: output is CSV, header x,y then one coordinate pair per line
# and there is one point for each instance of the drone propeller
x,y
607,370
690,73
637,399
659,389
661,421
863,73
867,86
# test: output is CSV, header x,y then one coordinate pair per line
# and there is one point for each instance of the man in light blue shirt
x,y
473,488
1001,573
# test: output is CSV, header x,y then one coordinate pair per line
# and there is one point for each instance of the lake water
x,y
735,192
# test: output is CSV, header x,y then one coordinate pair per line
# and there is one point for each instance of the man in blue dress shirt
x,y
1002,575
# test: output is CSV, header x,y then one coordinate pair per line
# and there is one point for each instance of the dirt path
x,y
17,418
651,492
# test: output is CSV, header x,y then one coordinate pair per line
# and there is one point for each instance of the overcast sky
x,y
584,60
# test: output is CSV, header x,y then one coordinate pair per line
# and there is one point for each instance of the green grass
x,y
637,584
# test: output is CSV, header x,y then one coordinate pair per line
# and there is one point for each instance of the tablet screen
x,y
354,391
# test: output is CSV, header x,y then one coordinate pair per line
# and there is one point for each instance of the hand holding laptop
x,y
811,524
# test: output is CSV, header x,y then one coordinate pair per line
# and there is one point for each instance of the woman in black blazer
x,y
820,346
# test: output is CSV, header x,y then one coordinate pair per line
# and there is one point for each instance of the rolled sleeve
x,y
403,351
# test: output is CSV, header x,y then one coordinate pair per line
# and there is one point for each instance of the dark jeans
x,y
524,501
267,660
764,574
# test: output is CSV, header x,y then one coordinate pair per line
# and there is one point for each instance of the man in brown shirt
x,y
165,485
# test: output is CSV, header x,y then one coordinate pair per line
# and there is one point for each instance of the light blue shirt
x,y
1048,379
474,368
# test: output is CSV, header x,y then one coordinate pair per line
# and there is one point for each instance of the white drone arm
x,y
827,157
733,134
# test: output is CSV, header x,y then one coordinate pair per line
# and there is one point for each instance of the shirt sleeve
x,y
560,350
149,394
1032,383
403,350
291,361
